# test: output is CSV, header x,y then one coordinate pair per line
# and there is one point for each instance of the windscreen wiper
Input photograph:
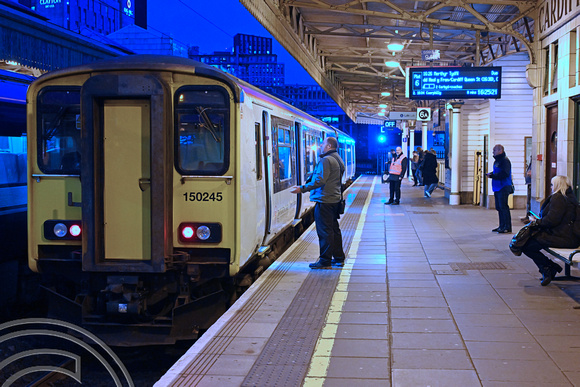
x,y
207,121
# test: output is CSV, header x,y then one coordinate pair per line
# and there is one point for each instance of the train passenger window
x,y
59,130
258,136
283,152
202,130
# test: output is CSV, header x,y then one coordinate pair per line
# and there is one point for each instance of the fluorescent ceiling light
x,y
381,114
385,93
392,64
383,106
395,46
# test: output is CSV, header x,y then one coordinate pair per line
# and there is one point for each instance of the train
x,y
158,189
14,273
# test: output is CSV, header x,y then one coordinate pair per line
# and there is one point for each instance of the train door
x,y
299,160
576,182
267,160
124,181
551,147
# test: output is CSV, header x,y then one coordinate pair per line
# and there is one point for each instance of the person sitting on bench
x,y
556,216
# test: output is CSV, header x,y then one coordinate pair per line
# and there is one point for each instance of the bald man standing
x,y
397,170
501,183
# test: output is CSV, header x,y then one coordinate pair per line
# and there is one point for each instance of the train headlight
x,y
190,232
60,230
75,230
203,233
187,232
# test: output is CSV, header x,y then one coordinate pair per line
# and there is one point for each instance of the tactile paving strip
x,y
285,359
198,368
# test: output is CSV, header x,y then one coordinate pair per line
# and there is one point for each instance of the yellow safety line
x,y
321,359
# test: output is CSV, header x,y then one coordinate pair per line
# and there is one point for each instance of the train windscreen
x,y
59,130
202,130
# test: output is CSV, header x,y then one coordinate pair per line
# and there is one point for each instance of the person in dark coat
x,y
502,188
429,171
414,166
397,170
556,230
419,163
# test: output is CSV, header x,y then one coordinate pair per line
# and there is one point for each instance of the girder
x,y
343,44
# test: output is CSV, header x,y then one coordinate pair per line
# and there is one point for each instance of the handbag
x,y
521,238
341,206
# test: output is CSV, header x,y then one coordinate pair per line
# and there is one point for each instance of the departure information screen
x,y
454,82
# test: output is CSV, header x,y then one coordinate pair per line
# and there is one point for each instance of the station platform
x,y
429,296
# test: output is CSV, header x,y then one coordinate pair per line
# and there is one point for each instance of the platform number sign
x,y
423,114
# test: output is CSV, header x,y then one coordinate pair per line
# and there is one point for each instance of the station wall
x,y
507,121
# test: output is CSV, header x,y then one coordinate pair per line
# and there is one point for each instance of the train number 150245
x,y
203,196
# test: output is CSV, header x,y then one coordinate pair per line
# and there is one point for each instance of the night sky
x,y
211,25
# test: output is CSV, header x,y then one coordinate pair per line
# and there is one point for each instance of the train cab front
x,y
131,196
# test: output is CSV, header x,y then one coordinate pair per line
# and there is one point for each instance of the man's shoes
x,y
414,185
427,194
319,265
503,231
389,202
336,263
396,203
496,229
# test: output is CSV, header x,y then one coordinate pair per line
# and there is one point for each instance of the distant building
x,y
102,16
252,61
143,41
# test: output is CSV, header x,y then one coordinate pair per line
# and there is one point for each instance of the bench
x,y
570,257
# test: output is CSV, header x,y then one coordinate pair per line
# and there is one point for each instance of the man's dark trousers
x,y
329,235
501,205
395,190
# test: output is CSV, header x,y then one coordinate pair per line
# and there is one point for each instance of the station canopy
x,y
349,46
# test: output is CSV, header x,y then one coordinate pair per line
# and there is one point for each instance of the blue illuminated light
x,y
382,139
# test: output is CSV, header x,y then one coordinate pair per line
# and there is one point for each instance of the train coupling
x,y
122,296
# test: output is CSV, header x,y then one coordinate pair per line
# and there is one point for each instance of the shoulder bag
x,y
521,238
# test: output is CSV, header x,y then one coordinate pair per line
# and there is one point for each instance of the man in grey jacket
x,y
325,190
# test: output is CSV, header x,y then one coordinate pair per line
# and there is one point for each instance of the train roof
x,y
149,62
13,86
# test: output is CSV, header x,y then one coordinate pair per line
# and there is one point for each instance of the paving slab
x,y
406,310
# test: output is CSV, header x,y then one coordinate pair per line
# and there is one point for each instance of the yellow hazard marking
x,y
321,359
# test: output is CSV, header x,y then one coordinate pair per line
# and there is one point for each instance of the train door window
x,y
59,130
258,137
202,130
311,146
283,151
